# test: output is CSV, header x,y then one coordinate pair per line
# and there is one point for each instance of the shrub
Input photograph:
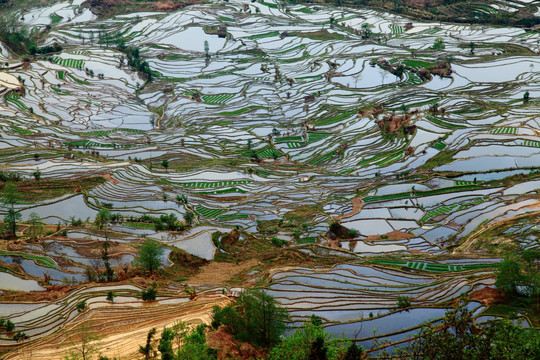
x,y
149,294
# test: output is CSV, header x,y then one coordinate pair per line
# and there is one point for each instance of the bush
x,y
81,306
403,302
149,294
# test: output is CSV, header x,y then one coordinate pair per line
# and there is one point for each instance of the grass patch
x,y
40,260
242,110
32,191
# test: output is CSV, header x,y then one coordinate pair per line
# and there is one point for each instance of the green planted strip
x,y
14,99
419,265
61,74
226,19
233,217
202,184
416,63
323,158
224,191
55,19
413,79
308,240
38,259
265,35
209,213
313,136
444,123
407,195
531,143
390,159
306,10
78,64
217,99
21,131
287,139
60,91
270,5
269,153
504,130
82,82
242,110
336,118
439,145
308,78
86,143
396,29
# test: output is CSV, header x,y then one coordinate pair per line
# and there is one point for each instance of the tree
x,y
109,272
165,346
526,97
111,296
438,44
37,175
10,196
149,256
206,49
189,217
256,317
36,227
165,164
87,347
366,30
310,340
508,275
148,350
471,46
458,337
102,218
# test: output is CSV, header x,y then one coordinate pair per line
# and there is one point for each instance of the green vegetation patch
x,y
55,18
20,131
40,260
224,191
269,153
417,194
209,213
74,63
242,110
233,217
60,91
79,81
336,118
419,265
265,35
203,184
14,99
439,145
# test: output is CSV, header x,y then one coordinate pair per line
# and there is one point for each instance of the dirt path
x,y
220,273
121,330
357,206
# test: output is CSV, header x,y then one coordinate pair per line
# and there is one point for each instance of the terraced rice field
x,y
297,125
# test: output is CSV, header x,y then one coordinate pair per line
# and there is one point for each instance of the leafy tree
x,y
189,217
458,337
87,347
366,30
148,350
165,164
508,275
438,44
36,227
149,294
111,296
308,341
165,346
149,256
403,302
102,218
109,272
10,197
256,317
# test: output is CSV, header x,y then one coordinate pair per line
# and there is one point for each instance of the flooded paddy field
x,y
276,120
